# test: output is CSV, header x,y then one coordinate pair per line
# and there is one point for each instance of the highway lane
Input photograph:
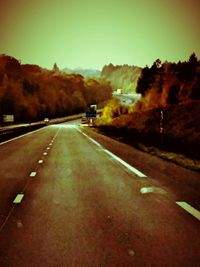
x,y
127,99
183,184
17,159
83,208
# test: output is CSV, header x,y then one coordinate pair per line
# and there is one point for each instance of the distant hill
x,y
87,73
123,77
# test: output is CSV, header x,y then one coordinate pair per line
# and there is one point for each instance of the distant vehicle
x,y
119,91
46,120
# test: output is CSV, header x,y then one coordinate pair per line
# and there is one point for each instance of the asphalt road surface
x,y
68,200
127,99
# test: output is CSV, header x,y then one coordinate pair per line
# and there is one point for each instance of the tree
x,y
173,96
145,81
157,64
193,60
55,67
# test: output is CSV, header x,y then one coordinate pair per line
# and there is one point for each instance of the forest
x,y
169,83
168,114
32,93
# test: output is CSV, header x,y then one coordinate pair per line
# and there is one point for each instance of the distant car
x,y
46,120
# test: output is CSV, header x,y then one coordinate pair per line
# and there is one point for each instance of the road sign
x,y
8,118
91,114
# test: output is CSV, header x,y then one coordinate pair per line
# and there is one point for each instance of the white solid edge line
x,y
189,209
92,140
125,164
20,136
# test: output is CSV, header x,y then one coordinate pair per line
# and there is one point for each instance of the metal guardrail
x,y
11,131
3,131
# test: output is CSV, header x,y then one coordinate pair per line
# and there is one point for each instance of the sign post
x,y
161,126
91,114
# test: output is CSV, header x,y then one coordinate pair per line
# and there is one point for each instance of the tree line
x,y
166,116
30,92
168,83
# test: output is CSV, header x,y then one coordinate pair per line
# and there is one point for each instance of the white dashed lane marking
x,y
143,190
146,190
18,198
33,174
48,148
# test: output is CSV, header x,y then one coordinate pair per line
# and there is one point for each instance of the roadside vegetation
x,y
167,118
31,93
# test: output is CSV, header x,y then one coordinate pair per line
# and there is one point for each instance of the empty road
x,y
69,198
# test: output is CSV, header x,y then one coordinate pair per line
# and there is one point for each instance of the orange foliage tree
x,y
32,93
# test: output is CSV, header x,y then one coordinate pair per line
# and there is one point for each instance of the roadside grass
x,y
178,142
179,159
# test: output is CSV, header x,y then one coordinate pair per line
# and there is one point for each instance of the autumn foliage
x,y
168,114
30,92
169,83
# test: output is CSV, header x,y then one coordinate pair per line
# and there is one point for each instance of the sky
x,y
92,33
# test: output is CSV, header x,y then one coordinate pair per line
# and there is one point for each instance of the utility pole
x,y
161,126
